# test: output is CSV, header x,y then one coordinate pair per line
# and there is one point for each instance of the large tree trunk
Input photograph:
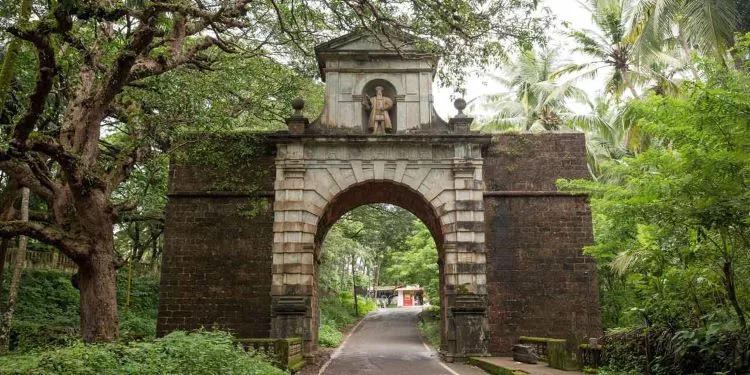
x,y
97,284
97,277
7,212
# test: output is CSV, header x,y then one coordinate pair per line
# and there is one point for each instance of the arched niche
x,y
390,91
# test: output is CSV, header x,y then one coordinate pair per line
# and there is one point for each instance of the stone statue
x,y
380,121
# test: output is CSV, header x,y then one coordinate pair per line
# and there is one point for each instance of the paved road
x,y
387,343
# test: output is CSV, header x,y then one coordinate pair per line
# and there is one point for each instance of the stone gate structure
x,y
243,235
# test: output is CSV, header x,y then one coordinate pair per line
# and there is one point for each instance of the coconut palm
x,y
608,47
704,26
533,101
611,133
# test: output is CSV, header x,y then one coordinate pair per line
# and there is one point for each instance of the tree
x,y
702,26
10,60
535,101
605,130
98,60
673,222
608,47
419,264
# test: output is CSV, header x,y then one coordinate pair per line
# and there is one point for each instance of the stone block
x,y
524,354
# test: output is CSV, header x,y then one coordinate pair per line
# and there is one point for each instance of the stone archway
x,y
318,179
510,241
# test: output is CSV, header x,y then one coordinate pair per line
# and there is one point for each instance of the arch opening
x,y
384,193
372,192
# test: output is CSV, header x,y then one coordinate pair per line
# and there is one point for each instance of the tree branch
x,y
126,60
149,67
44,81
25,176
70,246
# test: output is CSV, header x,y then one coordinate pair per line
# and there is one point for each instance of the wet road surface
x,y
387,343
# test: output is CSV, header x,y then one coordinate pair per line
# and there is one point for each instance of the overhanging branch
x,y
72,247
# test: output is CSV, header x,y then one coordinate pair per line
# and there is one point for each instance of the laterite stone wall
x,y
538,281
216,267
219,236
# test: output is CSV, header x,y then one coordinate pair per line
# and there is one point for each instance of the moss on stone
x,y
492,368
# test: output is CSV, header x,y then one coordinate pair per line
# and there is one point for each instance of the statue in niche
x,y
378,105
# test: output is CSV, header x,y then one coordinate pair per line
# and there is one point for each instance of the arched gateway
x,y
243,236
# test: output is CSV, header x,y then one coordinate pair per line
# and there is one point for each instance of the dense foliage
x,y
197,353
673,228
384,245
418,264
47,313
337,313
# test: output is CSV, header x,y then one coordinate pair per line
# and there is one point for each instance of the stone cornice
x,y
349,139
532,193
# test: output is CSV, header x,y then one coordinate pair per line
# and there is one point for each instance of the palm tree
x,y
534,100
704,26
611,133
608,47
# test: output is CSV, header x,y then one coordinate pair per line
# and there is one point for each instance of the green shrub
x,y
144,291
19,363
366,306
198,353
717,348
429,325
337,313
25,335
334,313
48,308
430,330
329,336
137,325
46,296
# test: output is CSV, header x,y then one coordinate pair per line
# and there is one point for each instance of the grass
x,y
429,325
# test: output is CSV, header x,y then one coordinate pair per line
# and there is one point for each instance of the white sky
x,y
569,11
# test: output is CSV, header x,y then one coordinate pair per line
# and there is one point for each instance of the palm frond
x,y
711,25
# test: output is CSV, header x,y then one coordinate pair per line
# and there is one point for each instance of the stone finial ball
x,y
298,104
460,104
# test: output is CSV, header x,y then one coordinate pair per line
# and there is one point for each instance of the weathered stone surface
x,y
524,354
520,249
216,267
243,234
533,162
332,175
354,64
539,282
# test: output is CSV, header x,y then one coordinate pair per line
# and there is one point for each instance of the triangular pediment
x,y
360,42
363,46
